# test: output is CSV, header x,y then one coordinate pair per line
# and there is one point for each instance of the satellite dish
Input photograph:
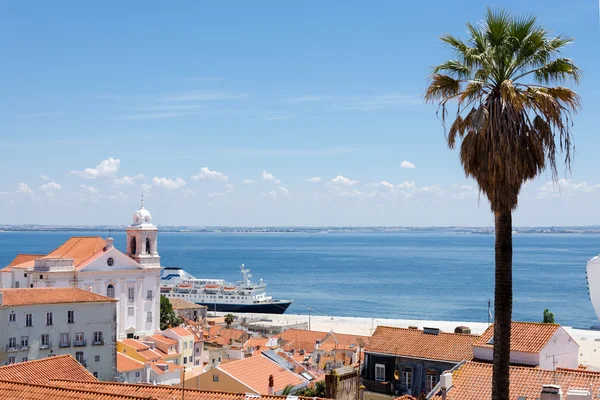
x,y
397,375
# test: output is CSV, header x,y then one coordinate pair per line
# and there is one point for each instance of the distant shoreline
x,y
594,229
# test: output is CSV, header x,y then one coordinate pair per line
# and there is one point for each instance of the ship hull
x,y
266,308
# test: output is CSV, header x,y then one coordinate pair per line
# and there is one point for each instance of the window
x,y
24,342
25,274
79,339
11,360
12,317
149,295
130,294
49,318
431,380
110,261
45,342
64,340
24,359
197,350
148,249
71,317
380,372
407,377
137,374
130,311
28,320
98,338
79,356
97,358
185,345
95,374
149,316
185,360
12,343
215,378
133,246
17,284
41,276
110,291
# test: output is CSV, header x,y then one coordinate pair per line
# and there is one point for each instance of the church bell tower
x,y
142,243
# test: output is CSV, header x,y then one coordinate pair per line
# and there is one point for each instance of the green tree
x,y
168,318
287,390
548,317
511,122
229,318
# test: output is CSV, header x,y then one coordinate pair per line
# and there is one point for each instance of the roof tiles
x,y
126,363
415,343
529,337
79,248
45,369
20,391
32,296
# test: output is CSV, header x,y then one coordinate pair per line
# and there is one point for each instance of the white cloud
x,y
168,184
206,173
407,164
50,195
386,185
44,178
229,188
433,189
146,187
566,188
408,185
284,191
359,102
248,181
106,168
270,177
314,179
343,181
90,189
49,186
24,188
118,197
128,180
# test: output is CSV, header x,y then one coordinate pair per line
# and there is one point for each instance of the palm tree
x,y
229,318
511,122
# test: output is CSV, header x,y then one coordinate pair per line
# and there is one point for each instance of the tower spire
x,y
142,202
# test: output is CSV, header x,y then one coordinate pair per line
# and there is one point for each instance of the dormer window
x,y
148,249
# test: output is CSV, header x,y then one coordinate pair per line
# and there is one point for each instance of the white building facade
x,y
45,322
94,264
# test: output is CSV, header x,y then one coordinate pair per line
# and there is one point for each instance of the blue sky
x,y
221,113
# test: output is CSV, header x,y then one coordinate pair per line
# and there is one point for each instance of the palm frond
x,y
442,87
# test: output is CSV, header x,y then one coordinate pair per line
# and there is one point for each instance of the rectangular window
x,y
407,377
149,316
24,359
79,337
12,317
137,374
64,340
130,294
28,320
98,338
24,342
71,317
431,380
149,295
380,372
17,284
185,345
97,358
12,343
49,318
197,350
130,311
95,374
11,360
185,360
45,342
79,356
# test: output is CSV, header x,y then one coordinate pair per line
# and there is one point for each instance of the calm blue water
x,y
439,276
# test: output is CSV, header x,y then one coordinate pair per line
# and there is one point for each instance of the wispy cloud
x,y
266,176
314,179
248,181
565,188
359,102
106,168
207,78
24,188
206,174
157,115
128,180
168,184
287,152
49,187
173,107
42,114
89,189
205,95
279,117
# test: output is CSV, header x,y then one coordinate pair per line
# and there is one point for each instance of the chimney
x,y
444,392
579,394
109,243
271,385
551,392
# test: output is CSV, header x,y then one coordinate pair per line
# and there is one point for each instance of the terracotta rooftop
x,y
529,337
299,339
257,341
23,261
126,363
170,367
158,392
45,369
32,296
136,344
150,355
181,304
160,338
17,390
473,381
254,372
79,248
417,344
181,331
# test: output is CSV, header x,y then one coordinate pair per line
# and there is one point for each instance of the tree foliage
x,y
548,317
317,391
168,318
229,318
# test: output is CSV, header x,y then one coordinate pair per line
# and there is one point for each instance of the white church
x,y
93,263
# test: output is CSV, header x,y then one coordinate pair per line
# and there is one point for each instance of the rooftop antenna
x,y
554,363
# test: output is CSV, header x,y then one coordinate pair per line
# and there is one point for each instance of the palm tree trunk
x,y
502,305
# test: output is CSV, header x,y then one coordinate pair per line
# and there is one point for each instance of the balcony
x,y
45,345
64,344
24,347
377,386
98,342
79,343
11,349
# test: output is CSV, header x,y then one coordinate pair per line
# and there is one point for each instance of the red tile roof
x,y
473,381
159,392
24,258
170,367
254,372
136,344
417,344
181,304
79,248
299,339
19,391
529,337
181,331
160,338
31,296
45,369
126,363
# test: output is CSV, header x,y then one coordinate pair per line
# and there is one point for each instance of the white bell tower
x,y
142,243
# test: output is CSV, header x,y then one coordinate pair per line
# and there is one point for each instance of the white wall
x,y
89,318
516,357
564,349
